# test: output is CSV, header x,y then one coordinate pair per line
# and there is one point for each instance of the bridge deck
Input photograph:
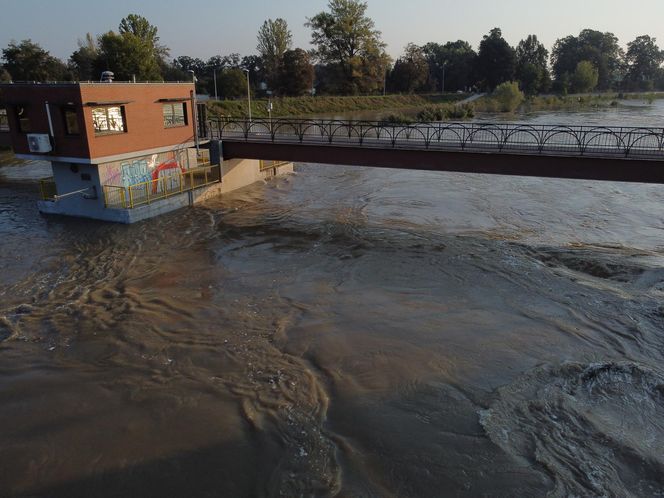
x,y
594,153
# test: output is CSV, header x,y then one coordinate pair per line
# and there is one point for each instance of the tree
x,y
297,73
274,39
508,96
451,65
84,63
128,57
28,61
601,49
585,78
4,75
410,71
496,60
232,83
134,51
644,60
141,28
346,37
531,66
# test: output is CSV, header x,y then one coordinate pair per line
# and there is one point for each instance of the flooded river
x,y
341,331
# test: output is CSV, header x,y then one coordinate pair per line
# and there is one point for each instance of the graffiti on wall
x,y
143,169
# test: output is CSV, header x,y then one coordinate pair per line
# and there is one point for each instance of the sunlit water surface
x,y
342,330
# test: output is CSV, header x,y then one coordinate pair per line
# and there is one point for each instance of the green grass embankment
x,y
311,106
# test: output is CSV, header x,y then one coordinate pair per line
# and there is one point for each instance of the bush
x,y
431,113
463,111
446,112
508,96
397,119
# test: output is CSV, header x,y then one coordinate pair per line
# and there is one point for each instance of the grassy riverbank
x,y
310,106
575,102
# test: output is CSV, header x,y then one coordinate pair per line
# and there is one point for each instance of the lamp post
x,y
442,90
194,110
248,94
214,75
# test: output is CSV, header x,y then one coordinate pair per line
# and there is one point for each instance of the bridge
x,y
554,151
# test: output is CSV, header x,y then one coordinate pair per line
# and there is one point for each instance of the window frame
x,y
101,133
21,122
65,110
4,122
172,105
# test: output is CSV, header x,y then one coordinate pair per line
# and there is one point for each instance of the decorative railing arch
x,y
521,138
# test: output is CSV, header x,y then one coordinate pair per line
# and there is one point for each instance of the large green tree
x,y
496,60
345,37
297,73
585,77
644,60
84,62
601,49
134,51
274,39
411,70
532,66
451,66
28,61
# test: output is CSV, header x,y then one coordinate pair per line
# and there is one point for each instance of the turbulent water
x,y
340,331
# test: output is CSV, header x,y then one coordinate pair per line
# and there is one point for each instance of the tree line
x,y
349,58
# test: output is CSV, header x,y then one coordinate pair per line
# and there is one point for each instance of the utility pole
x,y
248,93
214,74
194,110
442,90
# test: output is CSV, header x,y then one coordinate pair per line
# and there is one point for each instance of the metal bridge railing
x,y
147,192
514,138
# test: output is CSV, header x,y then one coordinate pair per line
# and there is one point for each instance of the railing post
x,y
131,197
123,197
148,187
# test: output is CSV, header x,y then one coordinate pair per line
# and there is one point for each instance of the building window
x,y
108,120
175,114
4,121
71,121
23,119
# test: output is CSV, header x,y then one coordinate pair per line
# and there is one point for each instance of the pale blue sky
x,y
202,28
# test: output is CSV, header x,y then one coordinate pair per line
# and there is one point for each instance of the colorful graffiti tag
x,y
144,169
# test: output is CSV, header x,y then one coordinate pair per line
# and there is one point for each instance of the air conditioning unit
x,y
39,143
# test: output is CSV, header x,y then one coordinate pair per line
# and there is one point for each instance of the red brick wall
x,y
143,116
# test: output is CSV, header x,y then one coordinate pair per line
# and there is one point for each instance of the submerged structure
x,y
121,152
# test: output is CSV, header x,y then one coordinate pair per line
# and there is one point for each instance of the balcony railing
x,y
140,194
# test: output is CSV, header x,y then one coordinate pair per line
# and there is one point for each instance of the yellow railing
x,y
47,189
147,192
115,197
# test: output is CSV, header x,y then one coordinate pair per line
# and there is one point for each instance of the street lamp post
x,y
248,94
442,90
194,110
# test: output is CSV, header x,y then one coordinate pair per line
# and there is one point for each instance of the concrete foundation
x,y
235,174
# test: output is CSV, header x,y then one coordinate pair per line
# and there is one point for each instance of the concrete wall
x,y
236,174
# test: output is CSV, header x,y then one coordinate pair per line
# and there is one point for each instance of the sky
x,y
203,28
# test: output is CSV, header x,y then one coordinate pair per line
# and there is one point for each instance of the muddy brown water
x,y
340,331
